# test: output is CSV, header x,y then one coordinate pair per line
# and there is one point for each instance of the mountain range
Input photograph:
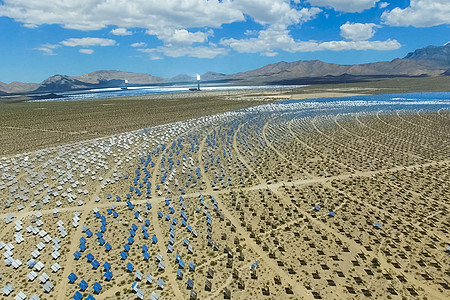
x,y
429,61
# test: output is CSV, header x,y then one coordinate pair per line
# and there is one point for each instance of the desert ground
x,y
249,199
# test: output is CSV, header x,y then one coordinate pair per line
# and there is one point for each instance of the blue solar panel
x,y
181,263
108,275
130,267
106,266
72,277
90,257
77,296
97,287
191,266
154,239
83,285
95,264
77,255
108,247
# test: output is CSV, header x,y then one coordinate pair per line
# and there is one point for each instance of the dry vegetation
x,y
27,126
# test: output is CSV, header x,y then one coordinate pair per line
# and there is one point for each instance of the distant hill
x,y
61,83
182,78
17,87
429,61
440,54
316,68
103,77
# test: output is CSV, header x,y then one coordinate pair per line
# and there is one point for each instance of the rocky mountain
x,y
97,79
440,54
61,83
429,61
105,76
316,68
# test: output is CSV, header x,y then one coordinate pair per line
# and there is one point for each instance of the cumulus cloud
x,y
275,39
86,51
420,13
88,42
185,27
154,15
345,5
383,5
358,31
121,31
182,36
139,45
151,14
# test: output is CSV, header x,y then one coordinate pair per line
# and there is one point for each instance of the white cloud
x,y
86,51
182,36
383,5
154,15
47,49
345,5
420,13
88,42
275,39
185,27
139,45
98,14
209,51
358,31
275,12
121,31
251,32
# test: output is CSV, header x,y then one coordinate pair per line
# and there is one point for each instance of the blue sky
x,y
165,38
